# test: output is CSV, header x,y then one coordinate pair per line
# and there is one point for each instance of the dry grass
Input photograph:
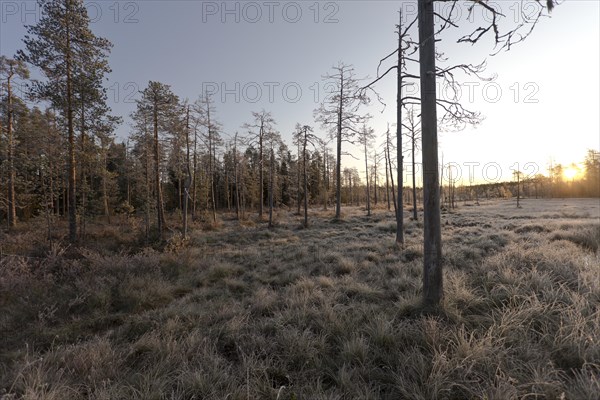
x,y
328,312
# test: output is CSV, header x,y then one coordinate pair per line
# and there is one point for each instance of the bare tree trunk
x,y
83,168
338,166
159,199
432,255
414,176
235,177
518,188
260,170
367,178
128,177
147,176
188,180
46,200
305,180
392,181
194,173
271,178
104,186
212,157
179,189
71,132
375,178
227,188
387,180
325,174
12,210
53,200
350,200
399,157
298,199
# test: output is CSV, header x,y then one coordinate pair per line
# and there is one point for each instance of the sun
x,y
570,173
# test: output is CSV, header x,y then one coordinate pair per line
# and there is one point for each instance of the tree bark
x,y
414,175
271,178
71,132
367,178
159,199
338,166
432,254
305,180
399,157
12,213
188,180
260,169
387,180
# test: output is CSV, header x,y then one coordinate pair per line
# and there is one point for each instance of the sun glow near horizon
x,y
572,172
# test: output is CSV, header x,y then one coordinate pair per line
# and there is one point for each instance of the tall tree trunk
x,y
104,184
53,200
227,188
127,172
399,157
212,161
235,178
338,165
305,180
194,174
159,199
260,170
188,180
387,180
432,254
375,178
147,180
46,200
271,186
325,177
298,197
367,178
518,188
83,167
414,176
12,210
71,131
392,181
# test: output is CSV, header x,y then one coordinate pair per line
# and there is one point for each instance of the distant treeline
x,y
118,178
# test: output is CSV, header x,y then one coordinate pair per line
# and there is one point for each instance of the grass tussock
x,y
328,312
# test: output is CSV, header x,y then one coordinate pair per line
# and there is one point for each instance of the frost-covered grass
x,y
328,312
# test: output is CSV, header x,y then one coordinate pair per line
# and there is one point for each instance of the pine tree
x,y
9,70
62,45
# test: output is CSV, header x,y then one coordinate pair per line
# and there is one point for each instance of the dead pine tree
x,y
404,47
433,293
517,174
272,139
188,179
304,136
413,134
339,114
388,147
257,131
271,179
236,177
365,136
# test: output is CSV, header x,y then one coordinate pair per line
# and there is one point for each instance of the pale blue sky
x,y
188,44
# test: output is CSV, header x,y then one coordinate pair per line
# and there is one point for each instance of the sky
x,y
543,105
